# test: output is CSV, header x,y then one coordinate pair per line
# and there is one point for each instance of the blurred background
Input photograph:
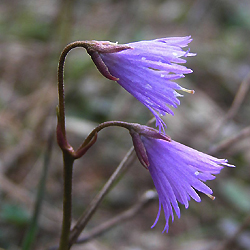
x,y
214,120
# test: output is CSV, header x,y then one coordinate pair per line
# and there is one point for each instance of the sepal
x,y
150,132
139,148
95,47
105,47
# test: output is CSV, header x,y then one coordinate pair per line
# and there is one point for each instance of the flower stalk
x,y
69,155
67,200
147,70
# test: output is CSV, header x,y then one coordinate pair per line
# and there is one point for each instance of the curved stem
x,y
69,155
68,151
60,75
93,49
105,125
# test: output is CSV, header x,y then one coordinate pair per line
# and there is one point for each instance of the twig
x,y
83,220
238,100
146,199
228,142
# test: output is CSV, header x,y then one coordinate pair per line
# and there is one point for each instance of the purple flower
x,y
177,171
147,69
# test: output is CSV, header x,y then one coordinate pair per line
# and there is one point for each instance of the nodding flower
x,y
147,70
177,170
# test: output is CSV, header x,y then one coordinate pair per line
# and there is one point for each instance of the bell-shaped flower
x,y
178,171
147,70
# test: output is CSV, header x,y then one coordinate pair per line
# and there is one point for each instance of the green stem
x,y
67,200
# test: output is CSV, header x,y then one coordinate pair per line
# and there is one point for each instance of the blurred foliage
x,y
237,193
32,35
14,214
